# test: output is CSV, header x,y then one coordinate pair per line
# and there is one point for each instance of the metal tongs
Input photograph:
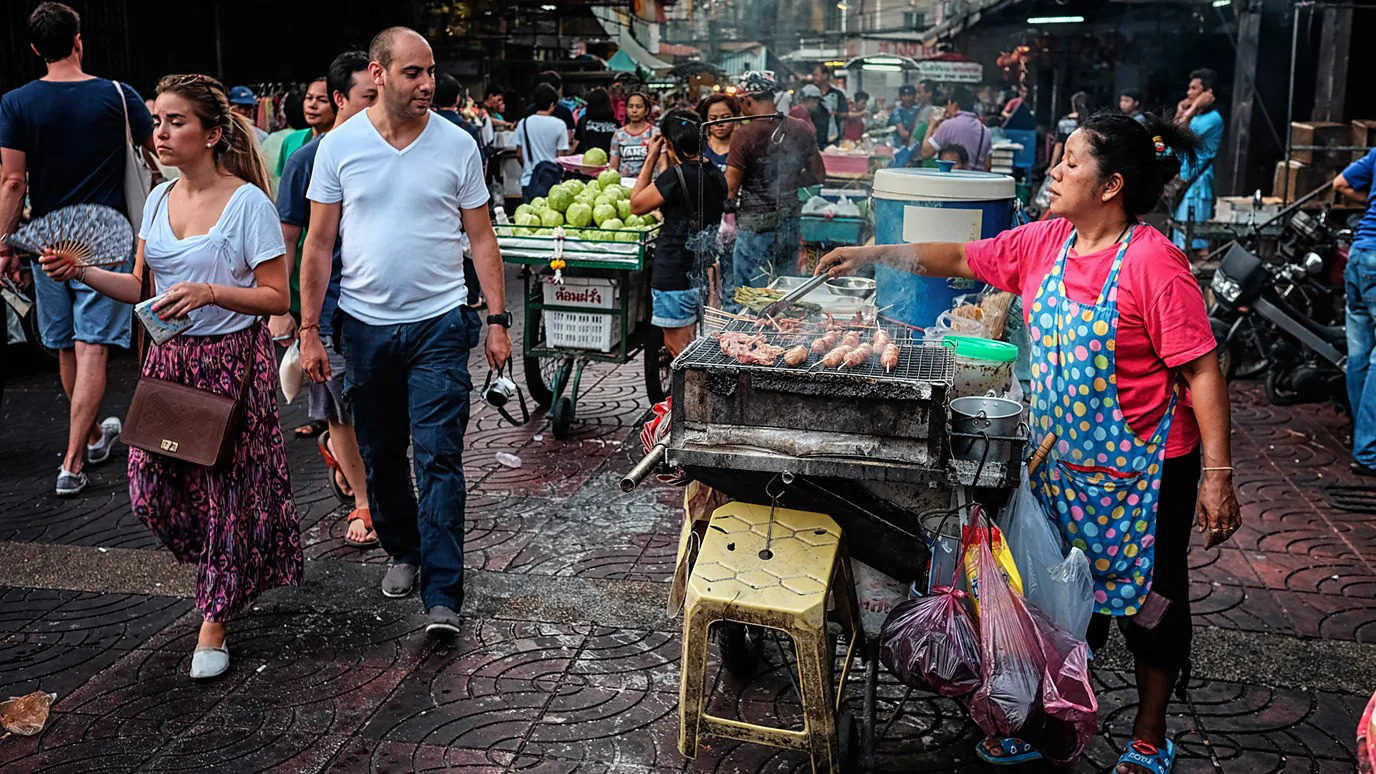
x,y
793,296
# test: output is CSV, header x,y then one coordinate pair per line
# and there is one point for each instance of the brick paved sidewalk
x,y
568,660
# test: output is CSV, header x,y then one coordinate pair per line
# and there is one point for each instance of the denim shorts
x,y
675,308
326,401
69,312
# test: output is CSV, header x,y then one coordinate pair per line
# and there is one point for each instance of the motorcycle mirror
x,y
1313,263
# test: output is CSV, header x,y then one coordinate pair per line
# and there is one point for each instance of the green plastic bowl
x,y
976,348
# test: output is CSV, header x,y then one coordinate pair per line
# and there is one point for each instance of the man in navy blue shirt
x,y
1356,183
352,91
62,141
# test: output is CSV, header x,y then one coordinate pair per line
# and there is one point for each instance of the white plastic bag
x,y
1058,585
289,373
1070,602
845,208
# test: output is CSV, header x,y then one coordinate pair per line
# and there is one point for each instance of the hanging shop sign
x,y
951,72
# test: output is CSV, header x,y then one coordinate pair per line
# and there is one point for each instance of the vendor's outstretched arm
x,y
930,259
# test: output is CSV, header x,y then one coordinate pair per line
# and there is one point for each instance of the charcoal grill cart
x,y
869,448
587,299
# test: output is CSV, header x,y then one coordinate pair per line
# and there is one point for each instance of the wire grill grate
x,y
917,362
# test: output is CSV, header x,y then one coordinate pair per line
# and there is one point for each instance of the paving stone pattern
x,y
365,690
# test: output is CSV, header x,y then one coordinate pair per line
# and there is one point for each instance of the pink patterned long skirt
x,y
237,522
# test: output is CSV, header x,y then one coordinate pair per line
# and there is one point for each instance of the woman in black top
x,y
598,124
690,194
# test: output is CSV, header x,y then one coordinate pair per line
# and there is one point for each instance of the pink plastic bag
x,y
1071,709
1008,699
931,643
1035,683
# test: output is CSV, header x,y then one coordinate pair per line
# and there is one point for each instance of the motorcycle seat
x,y
1331,332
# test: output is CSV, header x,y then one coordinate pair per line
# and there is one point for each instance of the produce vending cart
x,y
587,299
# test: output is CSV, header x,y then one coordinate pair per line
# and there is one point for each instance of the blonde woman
x,y
214,244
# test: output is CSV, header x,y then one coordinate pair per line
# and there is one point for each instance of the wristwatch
x,y
503,319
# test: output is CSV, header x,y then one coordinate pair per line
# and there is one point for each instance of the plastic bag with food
x,y
931,643
290,373
1008,700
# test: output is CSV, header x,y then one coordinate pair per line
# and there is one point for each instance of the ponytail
x,y
1147,155
237,152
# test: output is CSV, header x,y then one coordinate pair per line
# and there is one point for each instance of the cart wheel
x,y
847,743
740,649
540,371
561,417
657,363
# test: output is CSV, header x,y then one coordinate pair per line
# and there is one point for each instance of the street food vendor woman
x,y
1124,375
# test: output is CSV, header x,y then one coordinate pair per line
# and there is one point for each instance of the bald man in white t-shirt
x,y
406,186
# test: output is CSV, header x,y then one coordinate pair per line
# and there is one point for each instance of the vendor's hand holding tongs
x,y
794,295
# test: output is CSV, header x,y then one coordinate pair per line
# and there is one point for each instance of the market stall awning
x,y
617,24
622,63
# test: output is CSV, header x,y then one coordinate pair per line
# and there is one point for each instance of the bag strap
x,y
683,188
146,281
123,103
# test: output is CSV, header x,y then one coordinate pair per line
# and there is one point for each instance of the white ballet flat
x,y
208,663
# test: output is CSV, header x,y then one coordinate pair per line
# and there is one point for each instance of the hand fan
x,y
89,234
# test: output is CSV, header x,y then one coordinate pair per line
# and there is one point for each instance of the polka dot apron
x,y
1101,482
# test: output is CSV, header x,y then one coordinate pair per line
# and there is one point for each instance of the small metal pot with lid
x,y
977,420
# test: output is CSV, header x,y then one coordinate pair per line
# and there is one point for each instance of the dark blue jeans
x,y
409,383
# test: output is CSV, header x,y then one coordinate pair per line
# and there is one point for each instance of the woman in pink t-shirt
x,y
1125,377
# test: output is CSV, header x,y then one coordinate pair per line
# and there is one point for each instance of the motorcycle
x,y
1307,241
1276,308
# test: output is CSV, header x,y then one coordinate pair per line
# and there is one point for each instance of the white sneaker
x,y
109,433
69,483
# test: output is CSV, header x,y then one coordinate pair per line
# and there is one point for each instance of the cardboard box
x,y
1319,133
1238,209
1303,179
1363,135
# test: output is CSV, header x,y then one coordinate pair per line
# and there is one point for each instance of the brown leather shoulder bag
x,y
177,421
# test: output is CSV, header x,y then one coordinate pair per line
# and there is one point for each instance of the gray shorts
x,y
325,401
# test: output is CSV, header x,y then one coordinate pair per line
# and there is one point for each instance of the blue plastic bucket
x,y
927,205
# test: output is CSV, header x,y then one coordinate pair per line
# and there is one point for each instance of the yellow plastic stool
x,y
785,587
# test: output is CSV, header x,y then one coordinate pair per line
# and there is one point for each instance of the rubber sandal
x,y
1015,752
366,516
1148,756
336,472
310,429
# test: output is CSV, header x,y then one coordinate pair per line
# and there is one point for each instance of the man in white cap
x,y
771,157
810,97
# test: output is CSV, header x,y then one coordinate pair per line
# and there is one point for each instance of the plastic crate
x,y
574,330
840,231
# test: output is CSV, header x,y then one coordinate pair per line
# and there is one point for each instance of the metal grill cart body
x,y
868,448
594,308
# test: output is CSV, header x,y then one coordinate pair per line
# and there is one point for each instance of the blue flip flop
x,y
1149,757
1015,751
